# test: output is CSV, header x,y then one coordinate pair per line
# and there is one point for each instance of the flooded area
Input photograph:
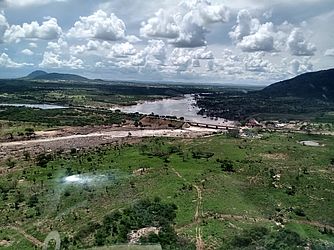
x,y
37,106
182,107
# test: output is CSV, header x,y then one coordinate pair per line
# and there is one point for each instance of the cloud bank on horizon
x,y
244,41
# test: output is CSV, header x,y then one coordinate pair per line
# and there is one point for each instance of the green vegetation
x,y
40,118
145,213
261,237
18,128
242,106
88,93
271,192
311,85
309,96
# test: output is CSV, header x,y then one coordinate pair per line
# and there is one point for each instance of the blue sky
x,y
240,41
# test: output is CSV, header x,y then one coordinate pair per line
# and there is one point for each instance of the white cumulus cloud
x,y
27,52
300,66
262,40
122,50
184,58
161,25
25,3
297,44
48,30
187,25
3,25
181,58
329,52
7,62
152,56
33,45
245,24
257,62
57,46
250,35
99,25
53,60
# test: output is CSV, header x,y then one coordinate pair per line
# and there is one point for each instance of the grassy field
x,y
272,182
62,117
93,93
18,122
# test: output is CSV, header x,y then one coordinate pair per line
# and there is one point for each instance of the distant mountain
x,y
36,73
42,75
319,85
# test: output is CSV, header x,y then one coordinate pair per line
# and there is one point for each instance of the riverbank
x,y
90,137
185,108
37,106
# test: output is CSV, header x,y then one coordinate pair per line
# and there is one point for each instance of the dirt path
x,y
198,212
315,224
233,217
198,219
29,237
192,131
96,137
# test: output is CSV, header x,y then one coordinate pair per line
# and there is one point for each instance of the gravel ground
x,y
90,137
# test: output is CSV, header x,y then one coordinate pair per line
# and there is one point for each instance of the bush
x,y
227,165
33,201
299,212
201,154
43,159
145,213
262,238
10,163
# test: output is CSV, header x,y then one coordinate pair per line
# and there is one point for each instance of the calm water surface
x,y
182,107
38,106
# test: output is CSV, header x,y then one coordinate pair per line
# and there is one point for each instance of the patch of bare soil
x,y
275,156
5,243
141,171
29,237
154,122
198,212
90,137
135,236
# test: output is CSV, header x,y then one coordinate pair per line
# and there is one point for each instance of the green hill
x,y
42,75
35,74
318,85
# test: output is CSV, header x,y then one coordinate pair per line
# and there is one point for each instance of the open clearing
x,y
274,182
66,139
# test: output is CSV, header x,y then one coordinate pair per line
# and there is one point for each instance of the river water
x,y
181,107
38,106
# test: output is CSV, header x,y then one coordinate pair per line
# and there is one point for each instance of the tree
x,y
10,163
234,133
26,155
332,162
29,132
10,136
200,154
43,159
144,213
227,165
33,201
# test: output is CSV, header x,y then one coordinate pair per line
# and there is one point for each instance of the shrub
x,y
227,165
43,159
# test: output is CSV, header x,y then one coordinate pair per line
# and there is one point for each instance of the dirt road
x,y
66,140
36,242
198,212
